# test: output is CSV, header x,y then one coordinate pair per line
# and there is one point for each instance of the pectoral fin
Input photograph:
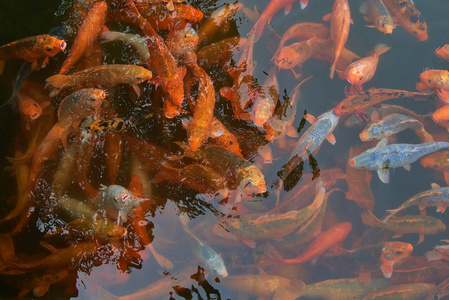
x,y
136,89
387,270
288,8
327,17
311,119
408,167
331,139
291,132
421,238
384,175
435,185
365,277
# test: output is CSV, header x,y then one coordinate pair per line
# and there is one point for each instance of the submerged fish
x,y
383,157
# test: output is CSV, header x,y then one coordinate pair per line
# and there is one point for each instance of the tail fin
x,y
56,83
381,48
392,213
369,218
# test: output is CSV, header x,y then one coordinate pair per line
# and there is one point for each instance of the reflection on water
x,y
208,176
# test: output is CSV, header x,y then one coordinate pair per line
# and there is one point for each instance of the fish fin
x,y
423,212
245,116
327,17
422,206
369,26
363,8
435,185
39,291
136,89
396,236
375,116
28,126
23,293
351,21
443,94
250,243
287,9
311,119
44,62
161,260
387,270
408,167
384,175
382,143
34,64
304,3
291,132
365,277
227,92
441,208
421,238
331,139
2,65
341,74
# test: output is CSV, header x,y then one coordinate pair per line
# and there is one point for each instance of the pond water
x,y
183,216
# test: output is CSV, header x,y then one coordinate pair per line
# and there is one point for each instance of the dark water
x,y
399,68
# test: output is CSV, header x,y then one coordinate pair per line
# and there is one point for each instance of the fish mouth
x,y
62,45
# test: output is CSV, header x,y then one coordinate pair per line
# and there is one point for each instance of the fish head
x,y
395,253
49,45
30,109
426,80
443,52
183,41
93,97
385,24
253,181
139,75
366,160
287,58
372,132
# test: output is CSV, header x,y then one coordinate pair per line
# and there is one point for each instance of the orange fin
x,y
387,270
327,17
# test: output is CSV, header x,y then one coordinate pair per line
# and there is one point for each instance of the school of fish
x,y
158,155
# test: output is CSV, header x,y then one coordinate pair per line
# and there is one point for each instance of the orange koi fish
x,y
31,49
161,18
408,17
438,161
367,259
437,80
326,51
219,20
265,102
363,70
30,109
272,8
340,20
325,241
221,136
358,102
428,272
377,13
149,154
198,130
303,31
182,41
162,60
443,52
103,75
87,33
296,54
220,52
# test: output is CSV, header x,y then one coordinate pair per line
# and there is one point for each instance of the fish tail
x,y
369,218
381,48
333,69
392,213
258,27
56,83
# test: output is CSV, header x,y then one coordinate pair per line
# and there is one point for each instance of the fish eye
x,y
48,48
34,116
92,99
398,252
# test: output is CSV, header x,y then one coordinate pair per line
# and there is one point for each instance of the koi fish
x,y
271,286
325,241
280,124
30,109
31,49
408,17
198,130
429,272
363,70
265,102
377,13
414,291
367,259
443,52
161,18
221,136
104,75
182,41
343,289
321,129
302,31
440,291
138,42
358,102
437,80
383,157
296,54
390,125
340,20
116,201
87,33
239,171
219,20
406,224
220,52
437,196
272,226
326,51
272,8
